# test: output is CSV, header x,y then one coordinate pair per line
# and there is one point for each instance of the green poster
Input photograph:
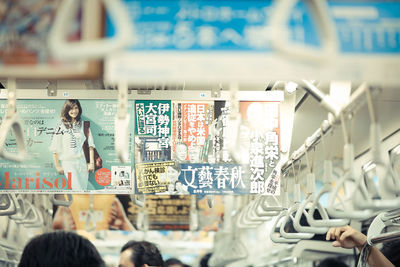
x,y
60,135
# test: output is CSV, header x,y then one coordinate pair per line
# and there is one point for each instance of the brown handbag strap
x,y
86,127
85,146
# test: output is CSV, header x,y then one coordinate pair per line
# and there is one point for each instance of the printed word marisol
x,y
37,182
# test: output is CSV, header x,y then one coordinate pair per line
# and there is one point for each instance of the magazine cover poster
x,y
163,212
261,139
190,130
173,212
153,130
70,145
93,212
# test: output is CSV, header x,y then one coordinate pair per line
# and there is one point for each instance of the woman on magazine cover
x,y
66,146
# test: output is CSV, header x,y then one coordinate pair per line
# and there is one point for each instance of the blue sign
x,y
362,27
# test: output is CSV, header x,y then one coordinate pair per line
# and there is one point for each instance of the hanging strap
x,y
12,122
363,260
90,49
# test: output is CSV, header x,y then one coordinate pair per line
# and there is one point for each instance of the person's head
x,y
61,249
173,262
391,252
332,262
71,111
181,151
204,260
194,154
140,254
173,172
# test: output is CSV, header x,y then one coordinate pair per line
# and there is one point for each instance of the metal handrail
x,y
289,217
383,220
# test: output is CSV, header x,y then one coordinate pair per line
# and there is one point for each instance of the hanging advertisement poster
x,y
258,142
190,129
153,130
163,212
172,178
173,212
262,140
93,212
70,145
202,160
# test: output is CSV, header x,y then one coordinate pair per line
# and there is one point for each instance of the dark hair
x,y
65,118
144,252
332,262
204,260
391,252
172,261
61,249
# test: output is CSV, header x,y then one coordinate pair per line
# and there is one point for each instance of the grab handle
x,y
10,207
59,202
307,229
94,49
12,121
326,27
289,217
276,236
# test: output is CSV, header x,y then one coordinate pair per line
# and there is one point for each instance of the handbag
x,y
98,162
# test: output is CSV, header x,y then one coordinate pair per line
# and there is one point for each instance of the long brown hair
x,y
65,117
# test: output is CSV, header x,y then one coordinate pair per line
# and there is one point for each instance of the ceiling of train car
x,y
309,116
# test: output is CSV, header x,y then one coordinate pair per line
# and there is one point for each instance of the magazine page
x,y
200,159
70,145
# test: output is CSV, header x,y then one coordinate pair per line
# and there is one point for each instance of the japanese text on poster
x,y
153,130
